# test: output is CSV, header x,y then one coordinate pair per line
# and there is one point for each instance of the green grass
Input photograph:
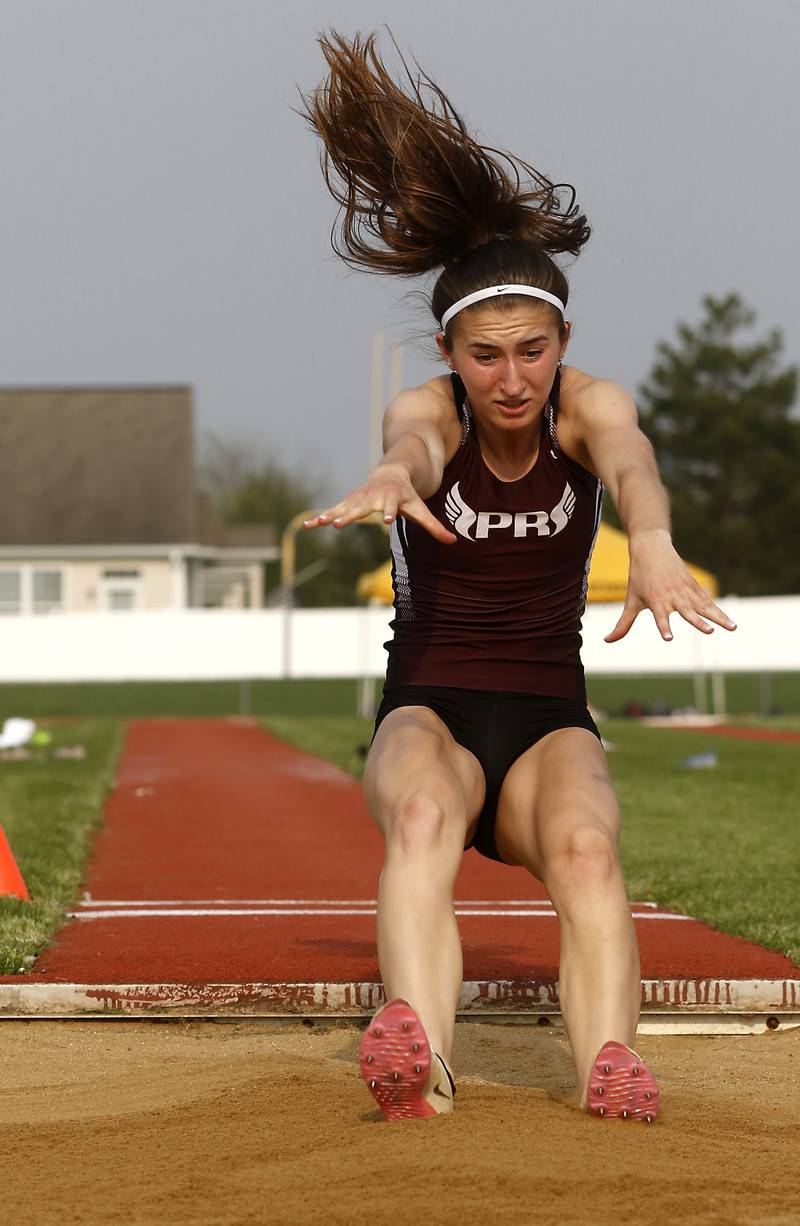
x,y
719,844
746,693
50,809
779,723
341,739
141,699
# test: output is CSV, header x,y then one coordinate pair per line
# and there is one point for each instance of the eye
x,y
484,357
533,353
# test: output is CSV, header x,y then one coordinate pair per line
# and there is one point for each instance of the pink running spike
x,y
398,1056
628,1087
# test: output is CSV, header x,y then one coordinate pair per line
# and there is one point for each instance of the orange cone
x,y
11,881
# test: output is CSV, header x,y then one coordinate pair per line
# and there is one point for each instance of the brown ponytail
x,y
417,192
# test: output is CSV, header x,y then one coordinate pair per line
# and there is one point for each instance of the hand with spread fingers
x,y
660,581
388,489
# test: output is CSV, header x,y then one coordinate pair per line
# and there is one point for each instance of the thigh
x,y
558,786
415,753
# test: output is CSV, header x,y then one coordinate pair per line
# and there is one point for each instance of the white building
x,y
99,510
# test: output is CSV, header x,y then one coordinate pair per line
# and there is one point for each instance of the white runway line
x,y
87,901
139,912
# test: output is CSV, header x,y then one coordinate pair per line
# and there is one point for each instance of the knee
x,y
586,856
418,826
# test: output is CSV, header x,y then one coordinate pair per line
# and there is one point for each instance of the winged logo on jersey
x,y
560,514
543,523
460,515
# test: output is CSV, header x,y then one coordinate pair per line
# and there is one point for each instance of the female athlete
x,y
491,480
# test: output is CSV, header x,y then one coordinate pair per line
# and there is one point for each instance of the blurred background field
x,y
720,844
188,372
775,694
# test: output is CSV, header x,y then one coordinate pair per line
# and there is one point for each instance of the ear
x,y
441,345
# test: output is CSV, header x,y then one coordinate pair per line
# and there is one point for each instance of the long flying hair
x,y
417,192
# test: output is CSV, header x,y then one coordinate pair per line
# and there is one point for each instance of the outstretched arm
x,y
410,471
607,427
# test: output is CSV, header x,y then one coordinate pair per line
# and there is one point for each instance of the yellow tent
x,y
608,576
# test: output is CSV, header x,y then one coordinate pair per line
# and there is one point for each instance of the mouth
x,y
512,407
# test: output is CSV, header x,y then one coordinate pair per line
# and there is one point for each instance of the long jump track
x,y
236,875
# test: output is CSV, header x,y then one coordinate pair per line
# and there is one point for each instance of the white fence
x,y
217,644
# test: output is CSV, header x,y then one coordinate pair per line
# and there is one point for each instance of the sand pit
x,y
115,1122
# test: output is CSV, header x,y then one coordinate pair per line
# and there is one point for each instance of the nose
x,y
511,383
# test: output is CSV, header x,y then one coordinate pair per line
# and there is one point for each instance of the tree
x,y
717,410
247,490
271,493
350,552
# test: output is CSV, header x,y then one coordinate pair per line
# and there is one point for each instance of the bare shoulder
x,y
582,394
587,404
430,403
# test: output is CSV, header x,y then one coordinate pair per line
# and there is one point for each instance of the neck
x,y
510,450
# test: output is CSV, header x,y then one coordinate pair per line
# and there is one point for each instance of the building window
x,y
121,598
31,590
47,591
10,591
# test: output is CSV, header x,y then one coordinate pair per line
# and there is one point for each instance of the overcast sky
x,y
164,219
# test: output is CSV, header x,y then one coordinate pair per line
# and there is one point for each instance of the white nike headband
x,y
493,291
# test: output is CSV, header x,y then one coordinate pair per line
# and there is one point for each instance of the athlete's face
x,y
507,360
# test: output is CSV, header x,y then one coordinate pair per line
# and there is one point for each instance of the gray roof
x,y
104,465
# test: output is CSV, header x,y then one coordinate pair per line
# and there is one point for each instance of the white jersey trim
x,y
402,584
598,507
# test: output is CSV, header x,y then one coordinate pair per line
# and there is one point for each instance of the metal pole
x,y
700,693
288,561
288,547
395,370
367,696
376,402
366,689
287,640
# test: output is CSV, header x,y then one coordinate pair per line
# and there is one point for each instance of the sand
x,y
139,1122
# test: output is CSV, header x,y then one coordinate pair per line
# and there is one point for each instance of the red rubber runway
x,y
740,732
229,858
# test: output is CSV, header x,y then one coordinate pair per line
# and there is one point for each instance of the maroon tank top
x,y
501,609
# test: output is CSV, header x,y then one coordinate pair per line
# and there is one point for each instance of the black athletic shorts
x,y
496,726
